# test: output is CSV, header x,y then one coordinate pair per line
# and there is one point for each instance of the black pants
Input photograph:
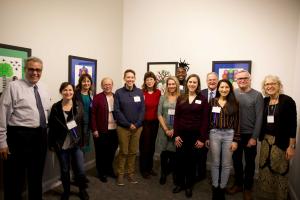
x,y
201,158
105,148
168,164
244,176
147,145
28,151
185,160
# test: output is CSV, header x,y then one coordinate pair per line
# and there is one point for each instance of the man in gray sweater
x,y
251,110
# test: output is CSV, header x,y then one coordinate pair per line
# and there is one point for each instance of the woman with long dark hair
x,y
84,96
223,135
190,131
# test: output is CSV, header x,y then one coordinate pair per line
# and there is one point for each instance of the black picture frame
x,y
227,69
12,63
79,65
162,71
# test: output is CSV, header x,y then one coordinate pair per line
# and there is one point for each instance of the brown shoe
x,y
120,180
234,189
132,179
248,195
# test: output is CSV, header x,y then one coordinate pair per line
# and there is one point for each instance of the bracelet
x,y
293,146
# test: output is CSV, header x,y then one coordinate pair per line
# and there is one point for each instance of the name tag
x,y
137,99
71,124
216,109
198,102
180,87
171,111
270,119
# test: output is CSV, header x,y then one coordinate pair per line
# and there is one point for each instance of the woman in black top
x,y
278,138
64,135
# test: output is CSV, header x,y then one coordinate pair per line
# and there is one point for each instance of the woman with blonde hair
x,y
278,140
165,140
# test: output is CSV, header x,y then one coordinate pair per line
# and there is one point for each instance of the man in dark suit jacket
x,y
209,93
212,82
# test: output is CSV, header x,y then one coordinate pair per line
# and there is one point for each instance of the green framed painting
x,y
12,59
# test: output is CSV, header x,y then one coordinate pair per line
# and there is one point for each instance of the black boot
x,y
65,196
222,193
163,167
215,193
83,195
65,179
163,179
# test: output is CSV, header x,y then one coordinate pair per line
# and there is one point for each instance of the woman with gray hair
x,y
277,138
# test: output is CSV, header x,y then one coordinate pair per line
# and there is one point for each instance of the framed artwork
x,y
162,70
228,69
78,66
12,63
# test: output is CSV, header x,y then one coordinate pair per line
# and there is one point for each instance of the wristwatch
x,y
293,146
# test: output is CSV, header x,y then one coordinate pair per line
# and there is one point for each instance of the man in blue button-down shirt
x,y
22,136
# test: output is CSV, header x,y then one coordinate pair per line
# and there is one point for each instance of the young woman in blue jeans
x,y
223,136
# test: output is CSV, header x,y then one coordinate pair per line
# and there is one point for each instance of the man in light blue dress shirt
x,y
23,132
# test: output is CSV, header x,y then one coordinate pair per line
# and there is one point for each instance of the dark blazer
x,y
58,129
285,123
204,92
100,111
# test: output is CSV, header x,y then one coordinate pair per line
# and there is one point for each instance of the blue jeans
x,y
78,164
65,157
220,141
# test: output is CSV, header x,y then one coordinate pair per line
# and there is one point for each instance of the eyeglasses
x,y
270,84
31,70
243,78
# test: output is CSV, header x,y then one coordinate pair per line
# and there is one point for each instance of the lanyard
x,y
270,113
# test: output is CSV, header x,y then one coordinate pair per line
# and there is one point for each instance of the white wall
x,y
55,29
294,173
130,33
201,31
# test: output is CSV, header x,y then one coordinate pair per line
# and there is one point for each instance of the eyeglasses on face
x,y
31,70
270,84
243,79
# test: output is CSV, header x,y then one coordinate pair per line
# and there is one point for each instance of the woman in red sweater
x,y
150,125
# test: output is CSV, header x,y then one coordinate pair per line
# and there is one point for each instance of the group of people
x,y
182,125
